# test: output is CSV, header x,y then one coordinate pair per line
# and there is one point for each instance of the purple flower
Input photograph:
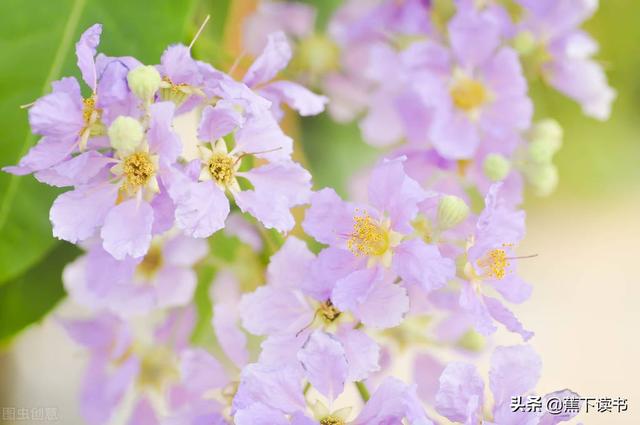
x,y
162,278
128,202
370,246
514,372
563,53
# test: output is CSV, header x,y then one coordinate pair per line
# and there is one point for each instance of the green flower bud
x,y
543,178
144,81
547,129
318,54
125,134
524,43
471,341
496,167
451,211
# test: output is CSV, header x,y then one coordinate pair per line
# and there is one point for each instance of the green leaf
x,y
37,39
30,297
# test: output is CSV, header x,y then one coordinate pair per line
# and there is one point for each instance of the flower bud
x,y
144,81
318,54
125,134
543,178
496,167
472,341
524,42
451,211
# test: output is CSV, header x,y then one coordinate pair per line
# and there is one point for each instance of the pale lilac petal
x,y
427,370
184,251
553,419
329,219
454,136
283,178
77,214
47,153
201,372
164,212
382,126
232,340
420,264
460,397
272,211
289,267
277,387
99,334
503,315
269,310
76,171
127,229
219,120
274,58
86,51
57,115
177,64
175,286
262,136
514,372
325,364
390,403
331,265
161,137
362,353
298,97
201,209
282,349
239,227
472,303
259,414
143,414
512,288
474,36
393,192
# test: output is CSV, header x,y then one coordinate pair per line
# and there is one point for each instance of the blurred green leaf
x,y
30,297
37,39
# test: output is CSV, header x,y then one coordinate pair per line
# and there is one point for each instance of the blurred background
x,y
586,277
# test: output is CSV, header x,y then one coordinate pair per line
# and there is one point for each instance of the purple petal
x,y
474,36
514,372
512,288
361,351
183,251
201,209
143,414
277,387
259,414
382,126
86,51
262,136
296,96
162,139
219,120
427,370
329,219
274,58
325,364
288,311
331,265
76,215
503,315
58,114
289,267
420,264
127,229
201,372
454,136
47,153
175,286
76,171
177,64
460,397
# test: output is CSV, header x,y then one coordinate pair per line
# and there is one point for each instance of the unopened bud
x,y
524,42
144,81
543,178
451,211
125,134
496,167
318,54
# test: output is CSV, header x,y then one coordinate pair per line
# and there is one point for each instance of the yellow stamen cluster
x,y
468,94
328,311
138,170
151,263
496,263
177,93
157,369
332,420
88,107
221,167
368,238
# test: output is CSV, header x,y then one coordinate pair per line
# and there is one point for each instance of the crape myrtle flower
x,y
274,58
311,335
278,183
550,40
490,262
160,372
514,372
65,120
128,202
392,402
371,246
479,92
163,278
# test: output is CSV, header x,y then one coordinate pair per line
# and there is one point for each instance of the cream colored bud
x,y
543,178
496,167
451,211
144,81
125,134
524,42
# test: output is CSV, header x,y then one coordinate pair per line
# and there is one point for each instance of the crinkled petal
x,y
259,414
177,64
474,36
289,267
219,120
514,372
420,264
161,137
361,351
76,171
262,136
143,414
47,153
270,310
460,396
86,52
201,372
58,114
201,209
274,58
127,229
275,386
76,215
329,219
503,315
298,97
325,364
512,288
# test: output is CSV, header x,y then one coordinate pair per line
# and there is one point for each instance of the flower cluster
x,y
311,306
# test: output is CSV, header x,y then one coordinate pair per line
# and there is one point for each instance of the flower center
x,y
151,262
495,263
88,108
138,170
331,420
468,94
368,238
221,168
328,311
157,369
